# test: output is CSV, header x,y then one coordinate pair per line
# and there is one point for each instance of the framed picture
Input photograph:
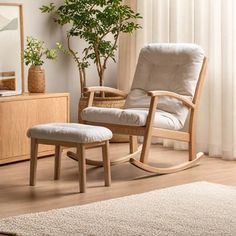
x,y
11,49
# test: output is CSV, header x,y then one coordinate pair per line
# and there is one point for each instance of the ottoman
x,y
79,136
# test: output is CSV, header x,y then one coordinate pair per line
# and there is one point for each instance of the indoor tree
x,y
99,23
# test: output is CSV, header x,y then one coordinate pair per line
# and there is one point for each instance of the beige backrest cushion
x,y
169,67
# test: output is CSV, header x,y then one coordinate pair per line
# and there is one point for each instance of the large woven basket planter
x,y
36,79
108,101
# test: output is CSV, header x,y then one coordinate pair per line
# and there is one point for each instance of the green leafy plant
x,y
97,22
35,52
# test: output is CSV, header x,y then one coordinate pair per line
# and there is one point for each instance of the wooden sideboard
x,y
18,113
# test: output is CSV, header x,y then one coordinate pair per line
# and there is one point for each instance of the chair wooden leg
x,y
82,167
192,150
148,132
133,144
106,163
192,141
57,164
146,146
33,161
192,133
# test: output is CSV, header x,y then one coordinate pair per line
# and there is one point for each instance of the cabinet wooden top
x,y
27,96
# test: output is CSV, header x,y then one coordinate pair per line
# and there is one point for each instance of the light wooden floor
x,y
16,197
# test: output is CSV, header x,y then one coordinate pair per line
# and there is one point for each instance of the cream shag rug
x,y
194,209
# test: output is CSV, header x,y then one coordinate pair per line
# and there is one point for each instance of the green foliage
x,y
97,22
35,51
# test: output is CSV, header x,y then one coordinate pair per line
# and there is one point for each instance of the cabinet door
x,y
17,116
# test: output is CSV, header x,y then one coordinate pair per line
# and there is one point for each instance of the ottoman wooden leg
x,y
82,167
33,161
57,166
106,163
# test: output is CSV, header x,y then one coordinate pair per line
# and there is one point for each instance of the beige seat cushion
x,y
168,67
130,117
69,132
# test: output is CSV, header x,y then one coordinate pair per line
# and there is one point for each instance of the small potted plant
x,y
34,55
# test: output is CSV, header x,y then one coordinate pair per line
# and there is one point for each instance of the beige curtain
x,y
127,55
211,24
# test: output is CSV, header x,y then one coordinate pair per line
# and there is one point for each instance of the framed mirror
x,y
11,49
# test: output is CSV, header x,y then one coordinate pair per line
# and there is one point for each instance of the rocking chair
x,y
166,88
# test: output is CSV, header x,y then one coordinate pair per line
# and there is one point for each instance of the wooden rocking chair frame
x,y
148,130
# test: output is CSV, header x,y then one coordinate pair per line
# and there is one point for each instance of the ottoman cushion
x,y
70,132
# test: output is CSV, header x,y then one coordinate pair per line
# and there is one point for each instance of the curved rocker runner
x,y
167,170
118,161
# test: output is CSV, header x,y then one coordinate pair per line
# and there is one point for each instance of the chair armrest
x,y
105,89
185,101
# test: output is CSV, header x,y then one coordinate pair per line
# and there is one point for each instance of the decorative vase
x,y
109,101
36,79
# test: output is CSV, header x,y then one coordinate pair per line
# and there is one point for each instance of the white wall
x,y
61,75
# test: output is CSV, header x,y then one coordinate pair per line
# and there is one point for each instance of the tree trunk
x,y
101,81
82,76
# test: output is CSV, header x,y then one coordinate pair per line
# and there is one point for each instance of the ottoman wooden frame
x,y
80,152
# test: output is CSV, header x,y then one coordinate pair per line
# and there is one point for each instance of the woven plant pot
x,y
109,101
36,79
